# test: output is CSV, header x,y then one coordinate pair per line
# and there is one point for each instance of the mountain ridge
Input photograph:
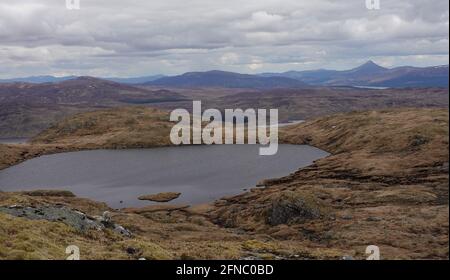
x,y
52,79
372,74
218,78
367,74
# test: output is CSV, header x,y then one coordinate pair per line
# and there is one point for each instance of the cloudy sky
x,y
145,37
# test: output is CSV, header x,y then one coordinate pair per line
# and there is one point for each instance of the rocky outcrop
x,y
292,207
74,218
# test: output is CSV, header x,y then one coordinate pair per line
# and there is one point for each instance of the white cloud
x,y
260,20
229,58
142,37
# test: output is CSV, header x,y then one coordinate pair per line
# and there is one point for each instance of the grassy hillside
x,y
385,184
128,127
312,103
27,109
378,139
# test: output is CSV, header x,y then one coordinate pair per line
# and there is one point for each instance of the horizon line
x,y
212,70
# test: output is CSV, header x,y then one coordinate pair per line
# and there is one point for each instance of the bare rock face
x,y
292,207
160,197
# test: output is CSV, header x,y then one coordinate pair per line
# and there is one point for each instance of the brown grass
x,y
386,183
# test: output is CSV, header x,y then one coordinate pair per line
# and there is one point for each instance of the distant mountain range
x,y
227,80
83,91
367,75
52,79
372,75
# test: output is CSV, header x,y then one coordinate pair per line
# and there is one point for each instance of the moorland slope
x,y
385,184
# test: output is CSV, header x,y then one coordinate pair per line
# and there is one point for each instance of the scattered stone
x,y
122,231
347,217
131,250
347,258
445,166
308,139
374,219
261,184
251,258
106,216
418,140
160,197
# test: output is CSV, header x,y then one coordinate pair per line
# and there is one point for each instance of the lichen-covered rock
x,y
70,217
74,218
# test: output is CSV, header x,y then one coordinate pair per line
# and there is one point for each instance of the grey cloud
x,y
141,37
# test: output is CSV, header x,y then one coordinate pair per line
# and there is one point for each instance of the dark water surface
x,y
200,173
13,140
